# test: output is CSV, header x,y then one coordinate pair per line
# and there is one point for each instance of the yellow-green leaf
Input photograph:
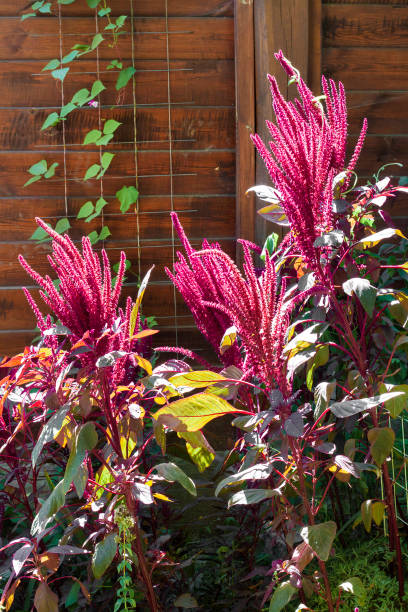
x,y
228,339
139,298
381,442
192,413
196,380
378,510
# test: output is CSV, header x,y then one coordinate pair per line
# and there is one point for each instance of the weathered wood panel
x,y
200,83
365,26
191,82
363,68
153,8
192,128
38,39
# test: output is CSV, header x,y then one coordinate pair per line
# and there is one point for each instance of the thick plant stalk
x,y
143,568
297,453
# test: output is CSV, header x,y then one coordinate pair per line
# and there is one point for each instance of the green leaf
x,y
62,226
270,245
367,514
93,237
200,455
320,538
100,203
319,359
105,232
192,413
68,108
373,239
27,15
255,472
72,597
172,473
138,301
381,442
86,439
51,170
350,407
322,395
120,21
104,553
127,196
92,136
252,496
60,74
124,77
69,57
50,121
80,480
92,171
97,87
281,596
378,511
186,601
96,41
365,292
111,126
40,234
355,586
396,405
33,179
81,96
92,3
52,65
103,12
106,160
49,431
50,507
101,142
38,168
46,8
85,210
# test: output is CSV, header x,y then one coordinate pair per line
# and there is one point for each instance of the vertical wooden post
x,y
245,118
279,24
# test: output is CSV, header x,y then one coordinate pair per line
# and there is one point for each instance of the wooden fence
x,y
200,85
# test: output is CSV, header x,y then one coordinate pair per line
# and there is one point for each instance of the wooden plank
x,y
210,220
152,8
245,117
364,25
379,150
192,128
189,38
195,172
385,111
315,45
12,343
363,68
158,254
283,24
199,83
371,2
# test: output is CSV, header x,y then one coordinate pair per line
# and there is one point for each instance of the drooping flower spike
x,y
307,151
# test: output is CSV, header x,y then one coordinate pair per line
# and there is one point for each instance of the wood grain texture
x,y
380,150
365,26
199,83
245,118
364,68
282,24
369,2
150,8
195,172
159,253
189,38
192,128
385,111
